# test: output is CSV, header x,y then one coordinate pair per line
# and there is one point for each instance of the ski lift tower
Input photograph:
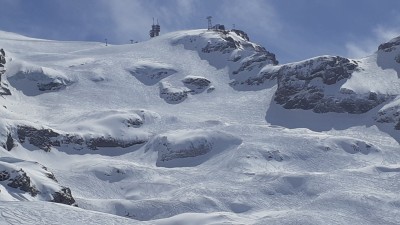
x,y
155,29
209,22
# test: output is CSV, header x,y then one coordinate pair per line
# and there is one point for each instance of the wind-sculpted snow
x,y
189,147
35,80
150,73
138,132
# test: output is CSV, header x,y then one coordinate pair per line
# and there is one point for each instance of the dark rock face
x,y
2,63
103,142
63,196
194,150
228,44
243,57
241,34
52,86
45,139
3,89
354,104
257,60
303,86
171,94
151,75
196,84
9,142
49,174
390,115
389,46
4,175
23,182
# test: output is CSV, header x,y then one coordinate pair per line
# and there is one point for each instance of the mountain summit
x,y
196,127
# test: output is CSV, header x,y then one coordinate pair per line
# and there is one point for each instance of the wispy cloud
x,y
132,18
258,15
367,46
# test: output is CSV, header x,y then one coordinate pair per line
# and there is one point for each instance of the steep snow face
x,y
194,127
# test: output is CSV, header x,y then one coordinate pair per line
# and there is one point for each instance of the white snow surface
x,y
224,157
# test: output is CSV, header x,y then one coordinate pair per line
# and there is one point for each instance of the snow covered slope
x,y
196,127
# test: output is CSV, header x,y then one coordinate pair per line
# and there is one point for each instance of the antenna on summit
x,y
209,22
155,29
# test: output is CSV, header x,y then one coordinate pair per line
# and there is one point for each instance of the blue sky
x,y
292,29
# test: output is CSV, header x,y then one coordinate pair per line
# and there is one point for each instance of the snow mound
x,y
34,80
150,73
350,145
185,148
111,121
23,180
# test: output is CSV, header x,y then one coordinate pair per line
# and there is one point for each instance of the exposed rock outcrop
x,y
305,86
390,115
103,142
45,139
2,63
196,84
248,56
150,73
23,182
41,138
34,179
173,95
314,84
233,49
9,142
3,87
63,196
389,46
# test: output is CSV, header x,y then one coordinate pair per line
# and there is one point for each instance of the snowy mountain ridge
x,y
197,127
